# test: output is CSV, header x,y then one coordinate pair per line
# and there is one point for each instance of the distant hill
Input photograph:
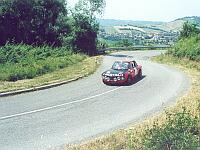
x,y
175,25
193,19
113,22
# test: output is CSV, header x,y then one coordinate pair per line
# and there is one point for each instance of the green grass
x,y
179,132
23,66
18,62
80,69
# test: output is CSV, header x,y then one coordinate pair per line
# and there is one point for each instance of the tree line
x,y
51,22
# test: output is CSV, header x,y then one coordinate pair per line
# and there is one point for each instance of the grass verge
x,y
132,137
83,68
19,62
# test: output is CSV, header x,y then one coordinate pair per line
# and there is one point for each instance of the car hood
x,y
112,72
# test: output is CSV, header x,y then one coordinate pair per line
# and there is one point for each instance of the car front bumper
x,y
106,81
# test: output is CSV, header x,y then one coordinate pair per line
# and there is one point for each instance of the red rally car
x,y
122,72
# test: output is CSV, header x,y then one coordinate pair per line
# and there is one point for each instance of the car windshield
x,y
120,65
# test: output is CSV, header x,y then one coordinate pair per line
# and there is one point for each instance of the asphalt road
x,y
86,108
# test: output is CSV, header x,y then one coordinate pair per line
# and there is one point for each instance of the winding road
x,y
87,108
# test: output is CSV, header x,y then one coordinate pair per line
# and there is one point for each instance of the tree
x,y
189,29
86,26
39,22
31,21
85,32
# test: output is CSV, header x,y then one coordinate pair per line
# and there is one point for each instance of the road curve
x,y
86,108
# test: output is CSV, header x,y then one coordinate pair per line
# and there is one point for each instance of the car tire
x,y
140,74
105,83
129,80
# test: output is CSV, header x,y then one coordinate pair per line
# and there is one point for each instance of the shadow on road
x,y
139,79
134,82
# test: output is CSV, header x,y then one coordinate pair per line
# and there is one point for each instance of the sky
x,y
149,10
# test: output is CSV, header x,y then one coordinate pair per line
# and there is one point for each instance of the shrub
x,y
180,132
189,29
187,48
19,62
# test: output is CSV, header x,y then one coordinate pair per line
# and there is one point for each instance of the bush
x,y
189,29
188,45
19,62
187,48
180,132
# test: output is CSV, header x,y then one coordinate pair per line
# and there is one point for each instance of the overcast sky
x,y
150,10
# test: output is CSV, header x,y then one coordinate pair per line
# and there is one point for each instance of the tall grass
x,y
19,62
187,48
180,132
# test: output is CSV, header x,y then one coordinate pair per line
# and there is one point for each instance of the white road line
x,y
56,106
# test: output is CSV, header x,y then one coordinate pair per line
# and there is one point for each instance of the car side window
x,y
135,64
131,65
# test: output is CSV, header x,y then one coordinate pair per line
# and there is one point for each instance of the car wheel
x,y
129,80
105,83
140,74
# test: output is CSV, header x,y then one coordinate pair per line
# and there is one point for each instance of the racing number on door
x,y
136,71
134,68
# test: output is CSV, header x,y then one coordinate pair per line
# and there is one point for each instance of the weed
x,y
19,62
180,132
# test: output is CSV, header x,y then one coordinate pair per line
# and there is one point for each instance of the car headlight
x,y
104,77
121,75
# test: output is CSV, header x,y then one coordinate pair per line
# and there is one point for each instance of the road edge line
x,y
12,93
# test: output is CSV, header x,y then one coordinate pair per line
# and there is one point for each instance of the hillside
x,y
175,25
113,22
194,19
143,32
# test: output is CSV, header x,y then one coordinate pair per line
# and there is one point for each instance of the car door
x,y
135,66
132,70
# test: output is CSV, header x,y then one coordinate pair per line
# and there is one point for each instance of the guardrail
x,y
133,48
